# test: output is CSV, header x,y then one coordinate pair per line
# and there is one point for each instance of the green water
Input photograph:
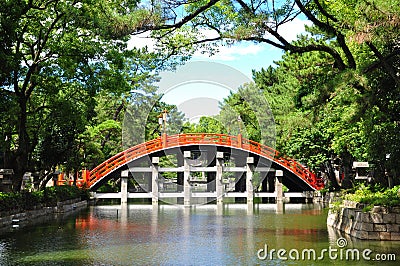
x,y
231,234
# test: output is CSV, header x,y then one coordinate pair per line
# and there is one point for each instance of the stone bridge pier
x,y
220,190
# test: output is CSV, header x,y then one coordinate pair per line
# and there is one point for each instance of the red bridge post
x,y
239,139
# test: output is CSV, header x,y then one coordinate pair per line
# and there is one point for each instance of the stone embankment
x,y
9,221
380,223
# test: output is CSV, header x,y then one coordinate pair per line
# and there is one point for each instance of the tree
x,y
55,52
342,81
207,124
247,112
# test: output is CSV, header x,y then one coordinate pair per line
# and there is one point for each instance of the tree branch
x,y
329,29
389,68
185,20
323,11
378,63
245,6
264,40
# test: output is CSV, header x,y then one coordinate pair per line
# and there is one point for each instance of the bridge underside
x,y
202,165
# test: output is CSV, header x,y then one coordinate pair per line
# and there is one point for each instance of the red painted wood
x,y
148,147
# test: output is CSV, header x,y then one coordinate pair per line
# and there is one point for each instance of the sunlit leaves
x,y
367,20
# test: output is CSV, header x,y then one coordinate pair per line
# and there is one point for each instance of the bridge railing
x,y
158,144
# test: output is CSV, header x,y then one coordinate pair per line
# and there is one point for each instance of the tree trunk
x,y
347,162
21,155
46,179
329,171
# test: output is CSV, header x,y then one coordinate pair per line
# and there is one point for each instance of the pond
x,y
229,234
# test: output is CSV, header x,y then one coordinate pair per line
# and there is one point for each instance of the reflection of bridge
x,y
204,166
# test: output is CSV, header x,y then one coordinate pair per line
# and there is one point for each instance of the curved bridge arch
x,y
220,140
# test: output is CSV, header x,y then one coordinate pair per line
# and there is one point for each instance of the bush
x,y
48,197
29,200
375,196
9,201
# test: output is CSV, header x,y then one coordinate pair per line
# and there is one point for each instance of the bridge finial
x,y
162,121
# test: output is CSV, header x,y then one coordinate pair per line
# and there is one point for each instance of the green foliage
x,y
25,200
52,195
335,93
375,196
290,97
67,78
206,125
66,82
336,205
9,201
110,186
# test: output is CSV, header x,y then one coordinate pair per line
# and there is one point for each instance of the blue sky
x,y
202,95
236,61
245,57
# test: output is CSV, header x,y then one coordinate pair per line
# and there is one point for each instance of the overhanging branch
x,y
183,21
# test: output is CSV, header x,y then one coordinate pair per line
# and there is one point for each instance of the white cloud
x,y
232,52
225,53
142,40
289,31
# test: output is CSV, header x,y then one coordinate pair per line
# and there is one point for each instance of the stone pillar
x,y
124,186
154,219
179,158
249,179
268,185
220,210
278,185
218,179
240,185
154,179
187,190
250,208
124,214
147,182
211,176
280,208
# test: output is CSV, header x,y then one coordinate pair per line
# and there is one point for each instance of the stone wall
x,y
378,224
22,219
70,205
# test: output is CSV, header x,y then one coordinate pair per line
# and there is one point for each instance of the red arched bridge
x,y
295,176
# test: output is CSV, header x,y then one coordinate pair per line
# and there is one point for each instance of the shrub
x,y
29,200
48,197
9,201
375,196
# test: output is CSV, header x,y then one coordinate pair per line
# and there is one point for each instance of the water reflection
x,y
124,214
211,231
218,234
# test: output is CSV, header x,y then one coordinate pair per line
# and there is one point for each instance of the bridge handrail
x,y
142,149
